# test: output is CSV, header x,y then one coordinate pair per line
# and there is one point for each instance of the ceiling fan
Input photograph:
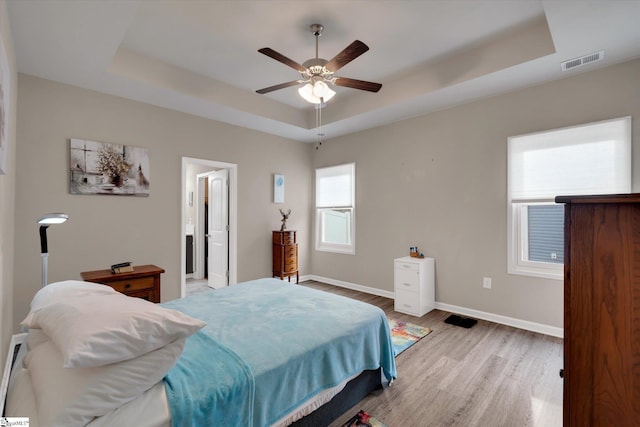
x,y
317,72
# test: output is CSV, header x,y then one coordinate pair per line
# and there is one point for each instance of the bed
x,y
260,353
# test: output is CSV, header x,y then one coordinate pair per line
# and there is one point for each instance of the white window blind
x,y
334,186
588,159
335,209
594,158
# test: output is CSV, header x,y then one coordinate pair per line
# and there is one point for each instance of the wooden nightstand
x,y
143,282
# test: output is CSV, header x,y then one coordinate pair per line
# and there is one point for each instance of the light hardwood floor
x,y
487,376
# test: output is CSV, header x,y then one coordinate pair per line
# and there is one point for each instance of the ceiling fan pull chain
x,y
319,134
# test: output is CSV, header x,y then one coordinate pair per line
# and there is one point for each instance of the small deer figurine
x,y
285,217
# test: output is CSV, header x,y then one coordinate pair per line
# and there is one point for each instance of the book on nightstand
x,y
123,267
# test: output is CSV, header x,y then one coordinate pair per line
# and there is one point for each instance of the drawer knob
x,y
127,286
407,284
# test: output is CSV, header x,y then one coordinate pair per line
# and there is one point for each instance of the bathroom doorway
x,y
209,223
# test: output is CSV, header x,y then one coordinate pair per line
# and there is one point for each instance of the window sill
x,y
344,251
541,273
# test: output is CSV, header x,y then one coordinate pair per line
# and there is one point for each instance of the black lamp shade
x,y
43,239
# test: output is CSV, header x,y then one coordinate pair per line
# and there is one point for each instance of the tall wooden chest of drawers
x,y
285,254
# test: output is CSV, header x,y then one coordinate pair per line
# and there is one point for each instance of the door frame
x,y
233,217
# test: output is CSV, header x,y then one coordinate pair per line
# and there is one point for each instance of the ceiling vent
x,y
583,60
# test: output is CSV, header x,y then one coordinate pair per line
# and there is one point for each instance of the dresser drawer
x,y
407,280
407,302
290,251
290,265
406,266
131,285
284,237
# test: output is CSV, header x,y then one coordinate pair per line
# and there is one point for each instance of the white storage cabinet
x,y
414,285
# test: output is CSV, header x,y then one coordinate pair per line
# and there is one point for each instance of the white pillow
x,y
60,291
35,337
95,330
74,396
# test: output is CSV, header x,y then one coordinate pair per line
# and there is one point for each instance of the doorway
x,y
197,177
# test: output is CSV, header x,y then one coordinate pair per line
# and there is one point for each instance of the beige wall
x,y
7,194
103,230
439,182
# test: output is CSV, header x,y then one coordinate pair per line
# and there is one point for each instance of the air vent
x,y
583,60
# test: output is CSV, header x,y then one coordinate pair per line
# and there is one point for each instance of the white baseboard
x,y
503,320
348,285
477,314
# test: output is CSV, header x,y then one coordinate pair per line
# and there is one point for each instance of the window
x,y
589,159
335,209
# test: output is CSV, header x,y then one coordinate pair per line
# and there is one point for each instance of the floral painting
x,y
102,168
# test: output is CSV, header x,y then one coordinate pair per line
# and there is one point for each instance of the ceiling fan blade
x,y
349,53
280,57
357,84
277,87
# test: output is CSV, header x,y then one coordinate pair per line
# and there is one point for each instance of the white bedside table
x,y
414,285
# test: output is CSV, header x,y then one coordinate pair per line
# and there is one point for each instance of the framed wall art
x,y
102,168
278,188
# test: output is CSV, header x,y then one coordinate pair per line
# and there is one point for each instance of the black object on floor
x,y
465,322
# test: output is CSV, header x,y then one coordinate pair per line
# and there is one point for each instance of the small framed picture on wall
x,y
278,188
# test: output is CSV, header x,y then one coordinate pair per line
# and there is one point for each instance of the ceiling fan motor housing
x,y
316,67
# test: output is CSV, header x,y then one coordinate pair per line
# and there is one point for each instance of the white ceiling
x,y
201,57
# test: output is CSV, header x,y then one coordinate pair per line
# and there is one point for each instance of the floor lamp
x,y
45,221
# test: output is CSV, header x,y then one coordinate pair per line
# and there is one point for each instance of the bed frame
x,y
355,390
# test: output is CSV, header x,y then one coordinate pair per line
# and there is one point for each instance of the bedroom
x,y
455,208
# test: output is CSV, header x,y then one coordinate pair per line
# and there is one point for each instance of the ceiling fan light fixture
x,y
306,92
322,90
316,93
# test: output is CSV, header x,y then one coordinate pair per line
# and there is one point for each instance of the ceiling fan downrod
x,y
316,29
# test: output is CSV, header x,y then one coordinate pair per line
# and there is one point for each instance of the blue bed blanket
x,y
268,346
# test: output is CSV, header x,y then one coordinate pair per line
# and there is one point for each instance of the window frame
x,y
519,245
320,244
517,231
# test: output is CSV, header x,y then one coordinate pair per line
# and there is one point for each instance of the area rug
x,y
363,419
404,334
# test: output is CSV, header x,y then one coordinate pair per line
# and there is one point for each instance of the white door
x,y
218,237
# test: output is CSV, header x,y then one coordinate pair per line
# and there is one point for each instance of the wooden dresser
x,y
602,310
143,282
285,254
